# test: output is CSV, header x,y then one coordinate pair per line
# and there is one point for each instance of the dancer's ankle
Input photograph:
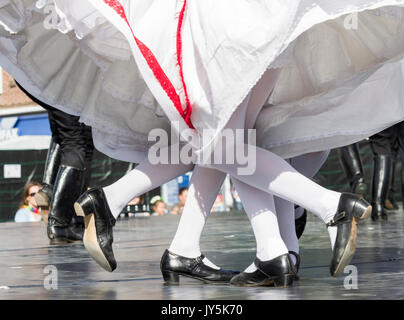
x,y
192,253
331,202
115,209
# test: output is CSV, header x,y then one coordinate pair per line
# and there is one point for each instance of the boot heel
x,y
171,277
84,206
362,209
284,281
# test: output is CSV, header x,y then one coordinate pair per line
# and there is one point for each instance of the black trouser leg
x,y
351,163
78,221
381,175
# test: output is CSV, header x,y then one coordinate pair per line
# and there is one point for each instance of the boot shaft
x,y
352,165
52,163
67,189
381,178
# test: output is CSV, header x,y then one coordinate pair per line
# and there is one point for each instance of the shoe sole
x,y
174,279
283,282
90,238
42,200
351,246
55,242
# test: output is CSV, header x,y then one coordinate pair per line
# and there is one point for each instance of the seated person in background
x,y
159,208
182,196
135,201
135,207
29,211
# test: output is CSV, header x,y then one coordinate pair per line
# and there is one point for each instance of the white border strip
x,y
21,110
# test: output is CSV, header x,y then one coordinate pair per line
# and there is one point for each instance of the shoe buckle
x,y
338,217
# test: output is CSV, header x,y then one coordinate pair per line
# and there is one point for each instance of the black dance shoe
x,y
98,237
300,223
62,234
297,264
278,272
351,209
172,266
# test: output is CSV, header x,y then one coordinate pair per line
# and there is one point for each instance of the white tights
x,y
273,176
259,203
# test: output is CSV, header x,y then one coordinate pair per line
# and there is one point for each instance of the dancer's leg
x,y
203,189
205,183
143,178
273,174
260,209
308,165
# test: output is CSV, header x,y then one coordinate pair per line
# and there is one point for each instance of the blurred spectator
x,y
218,205
182,196
135,201
237,201
159,208
29,211
136,207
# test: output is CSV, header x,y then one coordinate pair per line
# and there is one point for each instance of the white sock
x,y
202,192
143,178
308,165
274,175
260,209
285,212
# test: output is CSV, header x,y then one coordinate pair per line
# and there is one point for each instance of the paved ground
x,y
25,259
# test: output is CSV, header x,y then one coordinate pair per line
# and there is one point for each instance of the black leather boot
x,y
390,203
300,223
173,266
65,192
278,272
44,195
402,182
77,224
351,163
381,176
99,221
351,209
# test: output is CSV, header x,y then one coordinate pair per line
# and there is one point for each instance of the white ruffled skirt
x,y
130,66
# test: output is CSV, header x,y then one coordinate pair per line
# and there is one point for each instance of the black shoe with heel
x,y
278,272
351,209
99,221
173,266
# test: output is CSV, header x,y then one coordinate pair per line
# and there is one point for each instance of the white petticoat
x,y
96,70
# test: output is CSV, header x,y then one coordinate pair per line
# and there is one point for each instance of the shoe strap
x,y
337,218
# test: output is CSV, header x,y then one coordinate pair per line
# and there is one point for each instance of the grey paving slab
x,y
227,240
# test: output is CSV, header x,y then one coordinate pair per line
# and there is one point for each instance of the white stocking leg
x,y
203,189
308,165
143,178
